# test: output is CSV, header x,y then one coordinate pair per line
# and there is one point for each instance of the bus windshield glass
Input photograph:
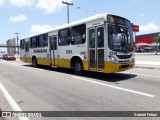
x,y
120,35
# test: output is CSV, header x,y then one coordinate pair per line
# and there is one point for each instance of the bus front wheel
x,y
34,62
77,67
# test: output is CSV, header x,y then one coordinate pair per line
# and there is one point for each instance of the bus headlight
x,y
113,59
133,59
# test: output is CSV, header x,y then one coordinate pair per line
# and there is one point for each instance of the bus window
x,y
22,43
53,40
41,42
64,37
92,38
27,46
33,42
46,40
100,37
79,34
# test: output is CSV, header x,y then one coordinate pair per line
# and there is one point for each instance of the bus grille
x,y
124,66
124,56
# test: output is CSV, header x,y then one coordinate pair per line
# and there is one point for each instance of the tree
x,y
157,40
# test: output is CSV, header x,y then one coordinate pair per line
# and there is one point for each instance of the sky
x,y
32,16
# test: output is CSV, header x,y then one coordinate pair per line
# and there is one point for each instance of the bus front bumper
x,y
117,67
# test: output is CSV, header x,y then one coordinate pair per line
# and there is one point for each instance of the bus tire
x,y
34,62
77,67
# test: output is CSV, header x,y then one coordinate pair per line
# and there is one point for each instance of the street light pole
x,y
17,41
67,8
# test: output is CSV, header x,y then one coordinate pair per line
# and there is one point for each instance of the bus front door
x,y
53,50
96,48
27,51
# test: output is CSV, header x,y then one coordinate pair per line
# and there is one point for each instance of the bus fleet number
x,y
69,51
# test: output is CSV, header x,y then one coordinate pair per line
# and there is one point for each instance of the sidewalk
x,y
147,64
147,60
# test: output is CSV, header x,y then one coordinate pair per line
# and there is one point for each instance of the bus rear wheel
x,y
77,67
34,62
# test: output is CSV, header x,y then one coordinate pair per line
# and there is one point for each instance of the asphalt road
x,y
48,89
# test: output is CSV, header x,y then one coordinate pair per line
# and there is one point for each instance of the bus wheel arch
x,y
34,61
77,65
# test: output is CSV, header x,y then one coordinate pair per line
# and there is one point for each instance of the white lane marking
x,y
119,88
11,101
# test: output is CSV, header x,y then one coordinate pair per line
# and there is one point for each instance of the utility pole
x,y
67,8
17,42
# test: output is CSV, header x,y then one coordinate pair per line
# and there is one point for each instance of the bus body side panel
x,y
31,54
43,56
22,57
22,54
66,53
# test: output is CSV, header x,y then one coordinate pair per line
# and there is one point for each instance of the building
x,y
11,42
146,43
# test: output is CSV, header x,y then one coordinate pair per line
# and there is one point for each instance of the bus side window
x,y
92,38
33,42
55,42
100,36
41,40
30,42
22,44
46,40
64,37
78,34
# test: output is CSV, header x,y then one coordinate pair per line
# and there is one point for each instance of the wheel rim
x,y
78,67
34,62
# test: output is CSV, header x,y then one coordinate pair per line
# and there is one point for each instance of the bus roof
x,y
92,18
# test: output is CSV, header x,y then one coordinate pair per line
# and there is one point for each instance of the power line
x,y
87,11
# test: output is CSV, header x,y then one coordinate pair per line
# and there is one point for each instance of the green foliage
x,y
157,39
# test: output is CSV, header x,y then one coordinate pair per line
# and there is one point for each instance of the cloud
x,y
22,3
2,2
19,18
150,28
50,6
40,28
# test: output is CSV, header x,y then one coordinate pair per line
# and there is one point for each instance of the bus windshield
x,y
120,38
